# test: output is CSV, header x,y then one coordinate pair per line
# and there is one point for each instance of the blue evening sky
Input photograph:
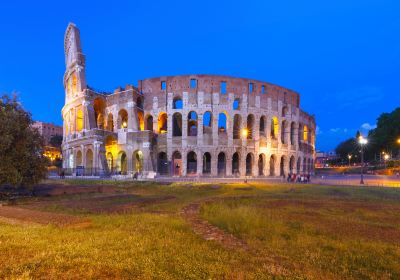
x,y
342,56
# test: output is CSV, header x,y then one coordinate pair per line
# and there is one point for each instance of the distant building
x,y
323,158
48,130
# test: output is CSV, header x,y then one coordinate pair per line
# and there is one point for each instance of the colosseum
x,y
187,125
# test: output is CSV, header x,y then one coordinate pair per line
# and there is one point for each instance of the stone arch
x,y
305,133
236,164
207,123
79,159
177,103
284,111
99,106
177,124
282,165
162,163
274,127
192,123
149,122
304,165
110,161
262,125
261,164
176,163
292,165
122,119
283,132
79,120
236,104
140,102
237,126
89,160
110,122
140,118
298,165
122,163
250,126
206,163
162,122
272,163
292,133
137,161
222,122
249,164
191,163
221,164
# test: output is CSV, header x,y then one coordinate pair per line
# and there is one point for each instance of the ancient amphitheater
x,y
187,125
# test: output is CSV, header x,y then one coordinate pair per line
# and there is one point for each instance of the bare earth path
x,y
191,213
16,215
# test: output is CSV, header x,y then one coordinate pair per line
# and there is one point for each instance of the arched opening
x,y
222,128
74,83
149,122
140,117
237,125
250,126
192,124
261,164
139,102
137,158
300,133
79,120
110,161
177,124
110,122
284,111
236,104
99,106
298,169
191,163
221,165
304,165
176,163
272,162
162,123
122,165
282,166
262,126
207,163
305,134
292,133
177,103
309,166
249,164
162,163
122,119
89,160
292,165
283,132
78,160
235,164
207,123
274,128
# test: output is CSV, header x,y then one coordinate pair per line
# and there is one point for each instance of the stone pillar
x,y
184,163
214,164
199,163
200,130
133,124
228,167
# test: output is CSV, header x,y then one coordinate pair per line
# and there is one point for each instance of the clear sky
x,y
342,56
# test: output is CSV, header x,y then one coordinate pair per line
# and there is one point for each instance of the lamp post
x,y
386,157
349,156
362,141
398,142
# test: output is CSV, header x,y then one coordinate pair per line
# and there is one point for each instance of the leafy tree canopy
x,y
56,141
21,147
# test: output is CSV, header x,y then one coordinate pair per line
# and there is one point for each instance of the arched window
x,y
122,119
262,126
284,111
261,164
162,163
191,163
250,126
272,162
221,164
237,126
162,123
149,123
207,123
283,132
110,122
79,120
274,127
235,164
177,103
99,106
192,124
249,164
222,128
292,133
177,124
305,133
140,120
207,163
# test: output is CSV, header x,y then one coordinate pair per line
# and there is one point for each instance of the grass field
x,y
291,232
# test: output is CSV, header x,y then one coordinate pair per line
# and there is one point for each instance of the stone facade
x,y
201,125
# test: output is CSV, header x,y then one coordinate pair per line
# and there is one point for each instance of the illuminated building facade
x,y
200,125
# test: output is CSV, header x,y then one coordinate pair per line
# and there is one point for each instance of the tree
x,y
21,147
56,141
347,147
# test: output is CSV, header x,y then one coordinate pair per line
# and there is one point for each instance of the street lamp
x,y
398,142
386,157
362,141
349,156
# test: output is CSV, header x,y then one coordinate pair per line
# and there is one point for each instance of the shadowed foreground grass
x,y
310,232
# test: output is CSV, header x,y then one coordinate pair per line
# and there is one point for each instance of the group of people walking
x,y
298,178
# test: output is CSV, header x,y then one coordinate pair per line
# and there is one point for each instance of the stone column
x,y
199,162
228,166
214,164
133,124
200,130
184,162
